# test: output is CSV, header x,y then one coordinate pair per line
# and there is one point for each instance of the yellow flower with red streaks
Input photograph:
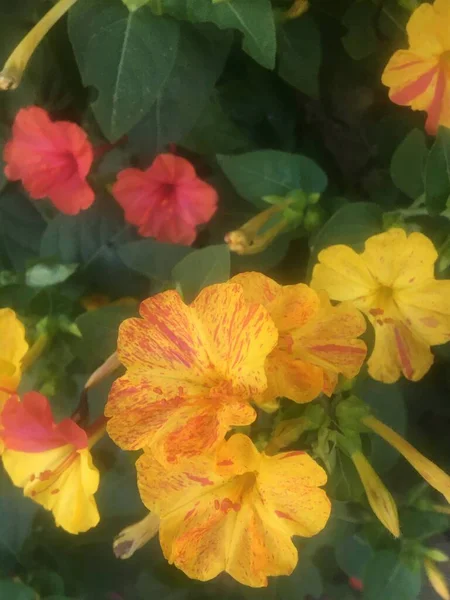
x,y
236,513
317,341
393,283
51,462
191,371
13,348
420,76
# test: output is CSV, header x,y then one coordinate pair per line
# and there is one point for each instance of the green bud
x,y
315,217
436,555
316,416
350,412
313,198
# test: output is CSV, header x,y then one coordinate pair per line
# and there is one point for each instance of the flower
x,y
380,499
12,72
317,341
393,283
191,371
420,76
135,536
236,513
52,159
13,348
167,201
259,232
432,474
51,462
437,579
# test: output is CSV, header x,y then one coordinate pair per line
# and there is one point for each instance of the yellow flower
x,y
436,579
379,497
237,513
191,371
13,348
432,474
317,341
51,462
420,76
393,283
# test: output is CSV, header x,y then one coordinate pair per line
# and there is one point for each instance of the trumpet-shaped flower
x,y
167,201
13,348
317,341
52,159
51,462
236,513
393,283
437,579
420,76
191,371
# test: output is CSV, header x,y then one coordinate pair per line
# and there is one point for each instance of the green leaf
x,y
361,39
127,56
199,61
420,525
344,483
152,258
407,164
304,583
351,225
353,554
300,54
272,173
388,578
437,173
99,330
133,5
21,228
10,590
202,268
42,275
253,18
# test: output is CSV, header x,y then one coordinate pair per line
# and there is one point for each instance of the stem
x,y
35,351
96,431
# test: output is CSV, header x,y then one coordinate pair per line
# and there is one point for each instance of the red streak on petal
x,y
216,504
389,321
430,321
200,480
376,311
380,322
293,453
225,463
189,514
157,390
45,475
228,505
414,89
411,280
435,108
338,348
55,491
283,515
32,477
33,494
403,354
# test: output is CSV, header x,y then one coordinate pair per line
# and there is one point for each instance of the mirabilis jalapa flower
x,y
393,283
13,348
317,341
236,512
420,76
191,371
51,462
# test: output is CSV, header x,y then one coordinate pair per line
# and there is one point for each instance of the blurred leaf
x,y
344,483
352,555
299,54
437,173
199,61
351,225
272,173
407,164
388,578
304,583
420,525
127,56
21,228
361,40
201,268
134,4
99,330
152,258
42,275
10,590
253,18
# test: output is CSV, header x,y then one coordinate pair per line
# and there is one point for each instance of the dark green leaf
x,y
388,578
272,173
202,268
361,39
352,555
437,173
127,56
152,258
420,525
407,164
304,583
299,52
10,590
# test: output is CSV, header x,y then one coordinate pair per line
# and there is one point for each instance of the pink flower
x,y
167,201
52,159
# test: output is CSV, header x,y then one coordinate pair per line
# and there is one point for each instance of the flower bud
x,y
436,579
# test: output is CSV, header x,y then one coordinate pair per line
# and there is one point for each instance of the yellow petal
x,y
422,28
289,487
135,536
258,288
57,479
397,350
240,335
342,273
13,348
397,260
236,456
436,579
427,310
380,499
432,474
